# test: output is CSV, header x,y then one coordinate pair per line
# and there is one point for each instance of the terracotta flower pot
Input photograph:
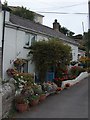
x,y
34,102
67,85
21,107
42,97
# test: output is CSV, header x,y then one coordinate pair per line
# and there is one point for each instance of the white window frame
x,y
29,37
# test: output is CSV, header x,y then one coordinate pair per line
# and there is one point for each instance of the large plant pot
x,y
21,107
42,97
67,85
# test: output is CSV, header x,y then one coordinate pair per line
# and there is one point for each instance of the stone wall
x,y
7,92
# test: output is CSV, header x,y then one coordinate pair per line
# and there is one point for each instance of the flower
x,y
19,62
59,89
11,72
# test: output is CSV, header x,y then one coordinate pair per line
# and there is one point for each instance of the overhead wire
x,y
63,13
56,8
55,12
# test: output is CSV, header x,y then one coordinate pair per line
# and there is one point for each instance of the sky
x,y
77,23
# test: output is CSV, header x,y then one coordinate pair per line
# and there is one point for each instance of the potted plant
x,y
33,100
67,85
42,96
21,103
37,88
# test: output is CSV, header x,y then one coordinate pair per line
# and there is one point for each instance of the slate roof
x,y
39,28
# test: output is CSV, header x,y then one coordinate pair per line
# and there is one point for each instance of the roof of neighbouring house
x,y
40,28
15,7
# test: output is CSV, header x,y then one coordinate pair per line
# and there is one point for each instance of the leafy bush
x,y
22,79
76,70
20,99
48,53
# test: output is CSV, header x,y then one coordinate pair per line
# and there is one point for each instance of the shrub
x,y
88,70
75,70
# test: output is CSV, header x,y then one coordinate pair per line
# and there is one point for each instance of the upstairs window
x,y
30,39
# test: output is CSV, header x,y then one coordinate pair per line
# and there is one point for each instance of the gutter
x,y
28,29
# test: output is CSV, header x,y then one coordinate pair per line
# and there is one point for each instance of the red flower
x,y
59,89
56,79
67,85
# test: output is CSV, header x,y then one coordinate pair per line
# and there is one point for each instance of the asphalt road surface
x,y
70,103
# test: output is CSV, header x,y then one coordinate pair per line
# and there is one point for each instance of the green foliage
x,y
67,32
20,99
33,97
87,42
49,53
23,12
75,70
22,79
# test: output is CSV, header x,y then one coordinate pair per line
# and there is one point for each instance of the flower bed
x,y
76,80
29,92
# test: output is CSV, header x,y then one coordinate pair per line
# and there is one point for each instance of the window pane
x,y
25,67
27,41
33,38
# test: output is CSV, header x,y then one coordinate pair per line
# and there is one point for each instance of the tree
x,y
23,12
64,30
49,53
5,3
70,33
67,32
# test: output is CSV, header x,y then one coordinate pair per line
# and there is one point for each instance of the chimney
x,y
56,25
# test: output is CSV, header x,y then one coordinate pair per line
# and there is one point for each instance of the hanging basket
x,y
19,62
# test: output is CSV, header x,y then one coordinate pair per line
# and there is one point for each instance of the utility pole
x,y
88,42
3,32
83,27
88,28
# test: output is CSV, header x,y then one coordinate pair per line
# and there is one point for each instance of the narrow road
x,y
70,103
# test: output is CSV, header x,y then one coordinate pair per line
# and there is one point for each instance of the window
x,y
24,68
27,42
30,39
33,38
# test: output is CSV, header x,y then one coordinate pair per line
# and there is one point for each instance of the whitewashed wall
x,y
74,52
14,43
41,37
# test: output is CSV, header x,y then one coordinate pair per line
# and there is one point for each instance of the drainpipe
x,y
3,33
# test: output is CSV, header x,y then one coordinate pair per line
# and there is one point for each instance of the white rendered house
x,y
20,33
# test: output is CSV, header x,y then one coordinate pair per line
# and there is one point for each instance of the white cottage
x,y
20,33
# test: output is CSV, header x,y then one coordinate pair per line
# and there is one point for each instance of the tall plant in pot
x,y
42,96
21,103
